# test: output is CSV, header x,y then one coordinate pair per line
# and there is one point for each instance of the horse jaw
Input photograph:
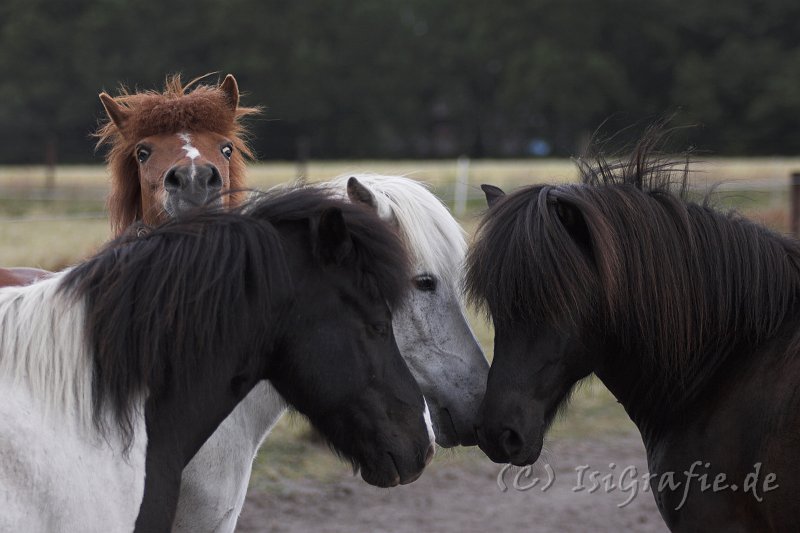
x,y
438,346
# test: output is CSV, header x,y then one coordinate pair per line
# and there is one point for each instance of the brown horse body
x,y
12,277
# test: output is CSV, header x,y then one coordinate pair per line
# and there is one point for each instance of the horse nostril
x,y
511,442
214,180
172,180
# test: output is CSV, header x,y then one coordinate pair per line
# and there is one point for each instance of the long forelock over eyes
x,y
524,266
674,282
177,109
379,255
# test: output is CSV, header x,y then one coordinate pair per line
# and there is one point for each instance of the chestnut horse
x,y
168,151
173,150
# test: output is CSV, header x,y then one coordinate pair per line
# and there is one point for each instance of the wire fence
x,y
54,218
80,192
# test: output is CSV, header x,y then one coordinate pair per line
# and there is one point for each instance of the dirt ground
x,y
463,495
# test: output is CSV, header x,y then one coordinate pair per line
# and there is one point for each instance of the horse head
x,y
173,151
431,328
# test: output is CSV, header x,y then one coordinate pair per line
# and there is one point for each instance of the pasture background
x,y
52,227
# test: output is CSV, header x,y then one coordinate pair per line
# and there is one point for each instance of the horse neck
x,y
177,427
751,301
181,421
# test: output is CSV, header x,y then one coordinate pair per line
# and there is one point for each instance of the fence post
x,y
50,162
462,186
794,196
303,145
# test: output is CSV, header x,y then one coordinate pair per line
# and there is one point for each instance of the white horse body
x,y
214,483
53,460
431,332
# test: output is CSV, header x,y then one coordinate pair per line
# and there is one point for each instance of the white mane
x,y
43,348
56,471
437,242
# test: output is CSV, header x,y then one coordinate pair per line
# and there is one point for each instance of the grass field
x,y
441,172
54,228
50,228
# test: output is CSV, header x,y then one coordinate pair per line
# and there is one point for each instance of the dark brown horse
x,y
688,315
171,150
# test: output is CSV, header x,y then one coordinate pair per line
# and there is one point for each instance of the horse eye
x,y
425,283
142,154
381,328
227,151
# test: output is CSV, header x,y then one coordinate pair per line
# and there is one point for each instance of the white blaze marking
x,y
191,152
426,415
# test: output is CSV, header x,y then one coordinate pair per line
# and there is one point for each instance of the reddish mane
x,y
205,108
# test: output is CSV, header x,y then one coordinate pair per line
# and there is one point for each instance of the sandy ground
x,y
466,496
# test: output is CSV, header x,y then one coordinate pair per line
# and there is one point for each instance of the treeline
x,y
413,78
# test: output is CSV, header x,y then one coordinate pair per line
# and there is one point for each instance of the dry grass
x,y
51,245
505,173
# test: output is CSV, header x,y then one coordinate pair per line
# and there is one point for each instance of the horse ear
x,y
359,194
231,90
116,113
493,194
334,238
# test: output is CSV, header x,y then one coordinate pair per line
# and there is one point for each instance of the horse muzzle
x,y
190,186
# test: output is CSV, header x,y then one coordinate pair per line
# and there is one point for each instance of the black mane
x,y
161,309
626,252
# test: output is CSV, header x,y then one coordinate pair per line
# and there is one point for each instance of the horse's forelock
x,y
434,239
525,266
176,109
676,284
379,250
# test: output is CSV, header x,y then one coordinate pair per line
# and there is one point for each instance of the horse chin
x,y
529,456
392,462
385,472
445,429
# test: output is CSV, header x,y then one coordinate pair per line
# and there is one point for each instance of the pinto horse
x,y
432,334
173,150
687,314
113,373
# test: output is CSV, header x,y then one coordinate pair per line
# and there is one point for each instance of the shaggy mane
x,y
162,308
176,109
677,283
